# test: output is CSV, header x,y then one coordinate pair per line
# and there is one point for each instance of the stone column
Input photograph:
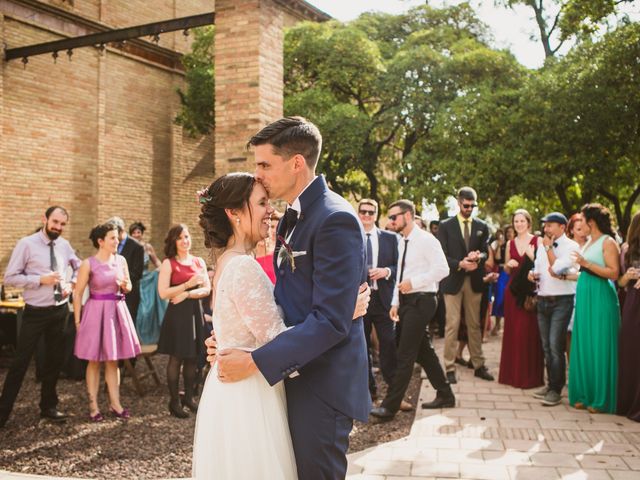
x,y
249,77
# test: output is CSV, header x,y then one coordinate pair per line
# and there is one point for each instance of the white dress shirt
x,y
374,233
298,208
549,286
425,263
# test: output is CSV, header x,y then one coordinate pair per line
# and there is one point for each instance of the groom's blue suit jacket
x,y
325,346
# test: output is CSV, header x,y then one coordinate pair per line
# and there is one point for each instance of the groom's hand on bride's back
x,y
362,302
212,348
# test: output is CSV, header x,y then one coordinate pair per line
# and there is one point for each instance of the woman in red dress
x,y
522,360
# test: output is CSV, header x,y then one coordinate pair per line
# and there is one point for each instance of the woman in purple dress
x,y
628,353
105,329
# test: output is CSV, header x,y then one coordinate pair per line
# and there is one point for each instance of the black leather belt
x,y
48,307
418,294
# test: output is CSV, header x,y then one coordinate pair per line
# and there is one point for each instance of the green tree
x,y
197,113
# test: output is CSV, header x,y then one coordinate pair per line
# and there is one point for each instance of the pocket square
x,y
479,233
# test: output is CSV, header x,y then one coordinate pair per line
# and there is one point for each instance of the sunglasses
x,y
468,206
393,217
369,213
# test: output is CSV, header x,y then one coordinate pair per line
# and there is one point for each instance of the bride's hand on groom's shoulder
x,y
212,348
362,302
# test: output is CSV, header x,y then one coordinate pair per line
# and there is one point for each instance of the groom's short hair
x,y
290,136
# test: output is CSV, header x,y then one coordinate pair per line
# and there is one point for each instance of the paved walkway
x,y
499,432
495,433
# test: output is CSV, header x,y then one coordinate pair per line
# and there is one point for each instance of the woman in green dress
x,y
593,371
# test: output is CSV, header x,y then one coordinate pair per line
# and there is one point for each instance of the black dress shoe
x,y
461,361
484,374
382,413
445,401
53,414
451,377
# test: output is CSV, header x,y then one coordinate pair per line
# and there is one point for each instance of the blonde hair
x,y
525,214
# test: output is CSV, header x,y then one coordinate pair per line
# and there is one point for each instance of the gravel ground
x,y
151,444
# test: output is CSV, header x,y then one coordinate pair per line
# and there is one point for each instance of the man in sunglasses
x,y
382,260
421,267
464,240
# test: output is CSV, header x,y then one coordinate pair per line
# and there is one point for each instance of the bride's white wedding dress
x,y
241,429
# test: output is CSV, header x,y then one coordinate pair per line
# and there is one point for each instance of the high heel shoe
x,y
177,411
189,403
124,414
98,417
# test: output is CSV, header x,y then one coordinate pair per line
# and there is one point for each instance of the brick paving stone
x,y
530,446
387,467
602,462
506,458
573,474
435,469
623,475
551,459
533,473
484,472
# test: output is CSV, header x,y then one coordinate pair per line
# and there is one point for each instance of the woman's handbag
x,y
530,303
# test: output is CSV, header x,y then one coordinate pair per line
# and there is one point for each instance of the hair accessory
x,y
203,195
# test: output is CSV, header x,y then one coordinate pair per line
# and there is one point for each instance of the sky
x,y
511,28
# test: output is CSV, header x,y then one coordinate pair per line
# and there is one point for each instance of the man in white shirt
x,y
555,301
421,266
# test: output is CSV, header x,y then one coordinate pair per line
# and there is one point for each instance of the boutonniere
x,y
287,254
479,233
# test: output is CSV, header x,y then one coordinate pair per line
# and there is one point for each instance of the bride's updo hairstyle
x,y
231,191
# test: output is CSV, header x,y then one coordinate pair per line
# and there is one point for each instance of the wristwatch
x,y
547,248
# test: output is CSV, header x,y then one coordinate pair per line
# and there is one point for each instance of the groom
x,y
320,264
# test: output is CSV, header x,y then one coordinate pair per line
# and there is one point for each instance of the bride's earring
x,y
237,220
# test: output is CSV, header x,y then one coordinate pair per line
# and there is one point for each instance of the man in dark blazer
x,y
465,243
382,262
133,252
320,265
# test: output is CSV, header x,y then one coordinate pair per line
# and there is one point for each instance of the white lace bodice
x,y
245,314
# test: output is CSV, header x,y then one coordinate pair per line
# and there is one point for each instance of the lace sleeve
x,y
252,294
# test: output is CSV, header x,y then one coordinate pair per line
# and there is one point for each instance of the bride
x,y
241,429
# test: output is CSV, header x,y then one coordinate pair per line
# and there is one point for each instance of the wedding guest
x,y
37,265
629,355
382,260
265,248
576,232
183,281
433,227
593,371
106,332
422,265
465,243
133,253
499,247
521,359
151,307
556,292
419,222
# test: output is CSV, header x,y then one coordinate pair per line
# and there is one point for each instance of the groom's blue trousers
x,y
320,434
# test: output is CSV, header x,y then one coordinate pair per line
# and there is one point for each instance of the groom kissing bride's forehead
x,y
320,351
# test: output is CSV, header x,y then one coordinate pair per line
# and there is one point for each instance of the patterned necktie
x,y
290,220
369,257
404,258
57,291
467,233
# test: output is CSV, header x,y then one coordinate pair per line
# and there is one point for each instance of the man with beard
x,y
421,266
37,265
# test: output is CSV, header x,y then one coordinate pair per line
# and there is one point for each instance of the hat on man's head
x,y
555,217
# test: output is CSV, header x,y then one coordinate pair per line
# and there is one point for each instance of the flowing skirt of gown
x,y
629,374
593,370
242,431
521,359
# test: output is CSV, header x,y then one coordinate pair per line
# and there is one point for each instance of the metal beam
x,y
112,36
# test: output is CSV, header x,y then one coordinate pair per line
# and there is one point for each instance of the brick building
x,y
95,132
